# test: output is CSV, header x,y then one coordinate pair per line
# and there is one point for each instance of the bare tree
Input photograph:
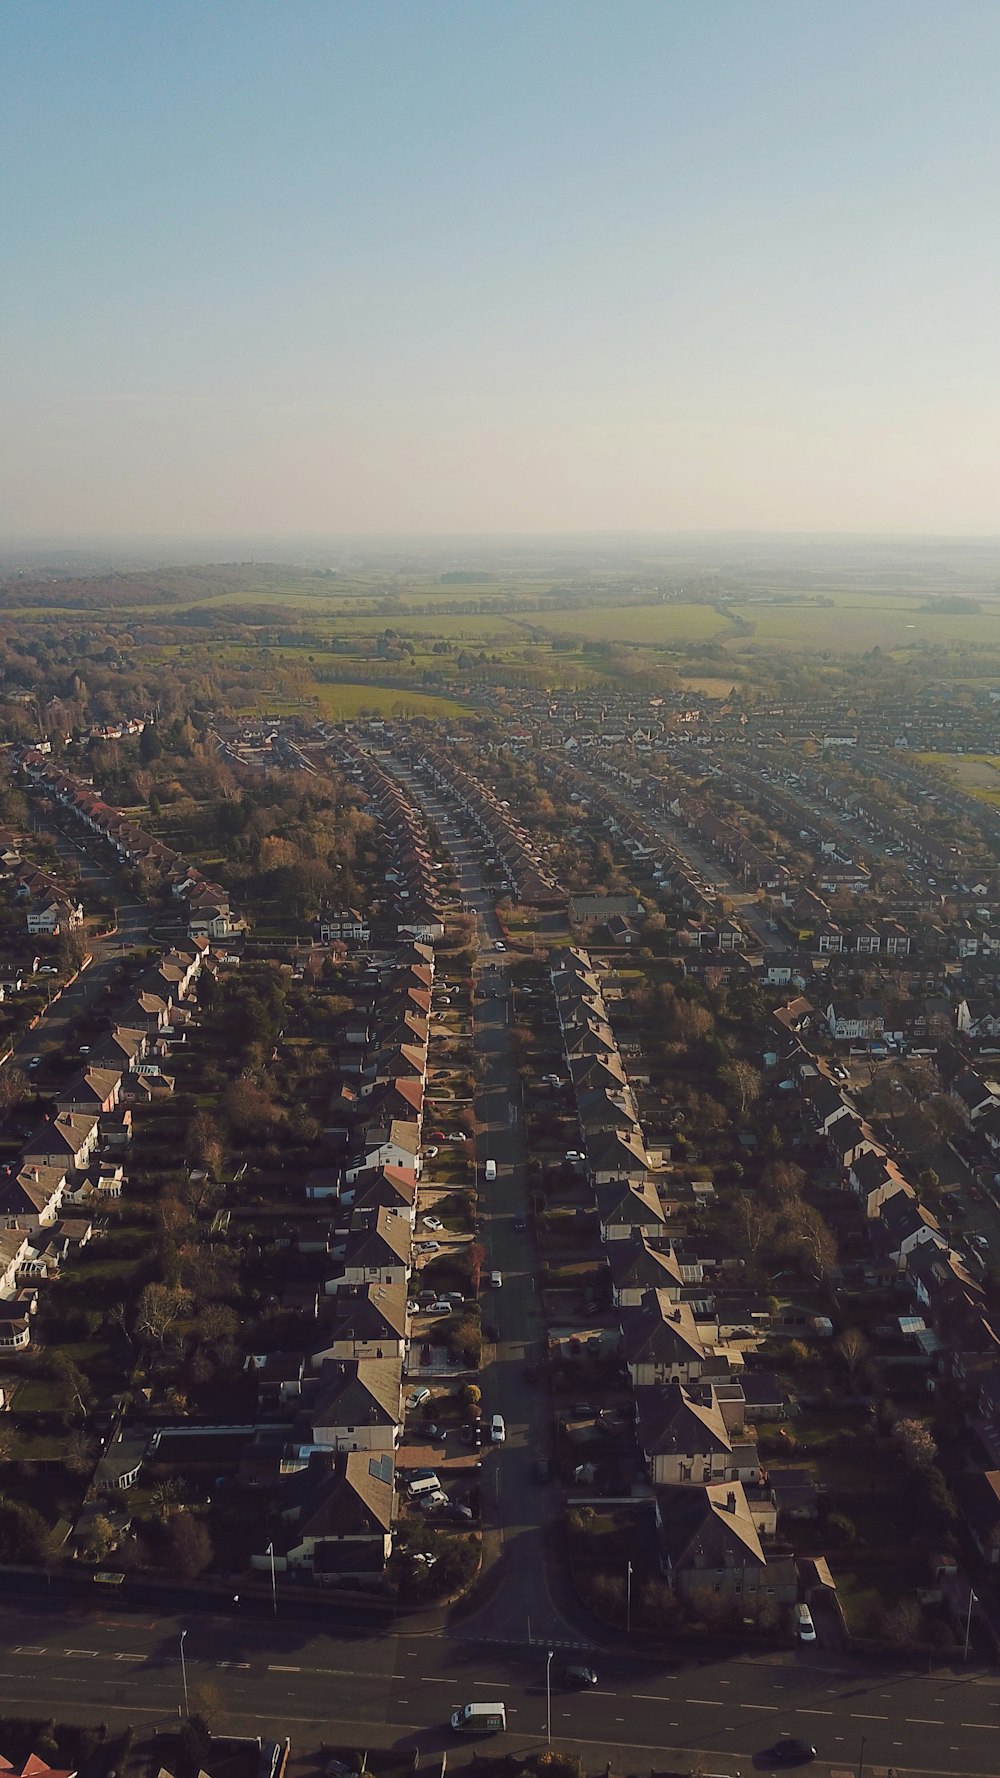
x,y
852,1347
160,1308
915,1444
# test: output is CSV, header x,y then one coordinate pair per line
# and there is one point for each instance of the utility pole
x,y
274,1592
548,1697
628,1600
184,1677
968,1623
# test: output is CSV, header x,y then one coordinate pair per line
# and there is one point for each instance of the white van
x,y
804,1624
422,1484
479,1719
491,1169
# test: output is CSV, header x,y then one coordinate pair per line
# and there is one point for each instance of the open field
x,y
978,774
616,622
856,623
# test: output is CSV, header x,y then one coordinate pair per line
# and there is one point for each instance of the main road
x,y
396,1690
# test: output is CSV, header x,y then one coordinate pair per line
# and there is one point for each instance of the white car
x,y
498,944
441,1307
498,1431
496,1280
429,1153
432,1222
417,1397
426,1246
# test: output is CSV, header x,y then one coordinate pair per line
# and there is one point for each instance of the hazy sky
x,y
499,265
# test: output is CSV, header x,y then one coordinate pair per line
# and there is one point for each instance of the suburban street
x,y
60,1024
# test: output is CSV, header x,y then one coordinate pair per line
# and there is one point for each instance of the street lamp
x,y
628,1600
968,1623
861,1760
184,1677
548,1696
274,1594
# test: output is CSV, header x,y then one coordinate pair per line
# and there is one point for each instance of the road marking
x,y
243,1666
494,1685
649,1697
862,1716
24,1649
979,1725
803,1712
428,1679
760,1707
88,1653
127,1657
717,1701
273,1669
932,1722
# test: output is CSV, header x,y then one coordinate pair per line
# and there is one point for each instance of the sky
x,y
499,266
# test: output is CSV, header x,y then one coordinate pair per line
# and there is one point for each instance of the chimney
x,y
730,1502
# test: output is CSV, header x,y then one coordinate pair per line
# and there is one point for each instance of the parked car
x,y
430,1152
432,1222
498,1430
417,1396
426,1246
441,1307
495,1280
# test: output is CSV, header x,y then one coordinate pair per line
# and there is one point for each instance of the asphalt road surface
x,y
397,1690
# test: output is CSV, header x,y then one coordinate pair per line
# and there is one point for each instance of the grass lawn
x,y
865,1593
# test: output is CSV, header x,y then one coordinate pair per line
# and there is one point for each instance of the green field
x,y
978,774
656,625
856,623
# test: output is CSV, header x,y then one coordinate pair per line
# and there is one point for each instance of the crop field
x,y
340,703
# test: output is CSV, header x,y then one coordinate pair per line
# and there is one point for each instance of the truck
x,y
479,1719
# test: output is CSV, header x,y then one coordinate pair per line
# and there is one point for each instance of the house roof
x,y
708,1526
658,1330
357,1392
349,1495
638,1263
675,1419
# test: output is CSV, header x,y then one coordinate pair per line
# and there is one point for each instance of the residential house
x,y
335,1517
709,1544
661,1342
357,1406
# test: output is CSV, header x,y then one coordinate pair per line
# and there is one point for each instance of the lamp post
x,y
968,1623
274,1590
861,1759
628,1600
184,1676
548,1696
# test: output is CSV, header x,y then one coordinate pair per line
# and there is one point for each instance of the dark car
x,y
789,1750
542,1470
579,1678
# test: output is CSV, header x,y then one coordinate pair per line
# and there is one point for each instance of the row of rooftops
x,y
207,903
420,906
498,827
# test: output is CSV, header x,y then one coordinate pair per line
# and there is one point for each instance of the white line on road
x,y
861,1716
803,1712
932,1722
979,1725
717,1701
274,1669
760,1707
127,1657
